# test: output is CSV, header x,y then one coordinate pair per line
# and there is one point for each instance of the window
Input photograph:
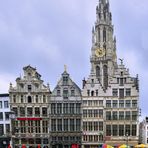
x,y
22,100
95,113
127,115
78,124
65,94
95,126
121,81
36,99
65,80
88,92
65,124
92,93
108,130
29,99
53,124
37,111
59,108
101,113
97,71
121,130
115,103
108,103
44,98
78,108
29,87
85,113
134,103
1,116
6,115
71,108
1,129
65,108
128,92
121,93
115,92
121,103
45,126
100,126
105,72
6,104
134,115
15,110
22,111
53,108
104,34
44,111
7,128
90,113
128,103
100,102
14,98
1,104
115,130
58,92
108,115
29,111
121,115
84,126
134,130
59,124
127,129
72,125
97,92
72,92
90,126
115,115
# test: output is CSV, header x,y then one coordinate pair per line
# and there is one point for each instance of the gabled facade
x,y
110,95
29,99
65,113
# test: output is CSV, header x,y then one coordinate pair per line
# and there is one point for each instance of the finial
x,y
65,68
121,60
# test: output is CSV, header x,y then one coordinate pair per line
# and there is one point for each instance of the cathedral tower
x,y
110,95
103,51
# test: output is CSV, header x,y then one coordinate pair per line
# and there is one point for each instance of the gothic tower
x,y
103,51
110,95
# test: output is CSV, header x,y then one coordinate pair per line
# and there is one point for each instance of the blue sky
x,y
48,34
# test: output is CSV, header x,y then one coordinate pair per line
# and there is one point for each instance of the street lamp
x,y
12,116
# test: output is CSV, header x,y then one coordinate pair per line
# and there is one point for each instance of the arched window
x,y
92,93
104,34
97,71
105,74
104,46
99,34
29,99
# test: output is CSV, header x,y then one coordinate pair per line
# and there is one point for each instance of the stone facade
x,y
110,95
65,113
29,99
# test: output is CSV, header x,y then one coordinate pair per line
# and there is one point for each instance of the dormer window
x,y
65,80
72,92
29,87
58,92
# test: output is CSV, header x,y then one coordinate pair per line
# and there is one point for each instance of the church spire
x,y
103,51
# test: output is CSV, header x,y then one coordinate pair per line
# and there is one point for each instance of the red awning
x,y
34,119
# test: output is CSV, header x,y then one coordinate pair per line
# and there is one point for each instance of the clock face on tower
x,y
100,52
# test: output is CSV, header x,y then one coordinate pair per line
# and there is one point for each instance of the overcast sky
x,y
50,33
